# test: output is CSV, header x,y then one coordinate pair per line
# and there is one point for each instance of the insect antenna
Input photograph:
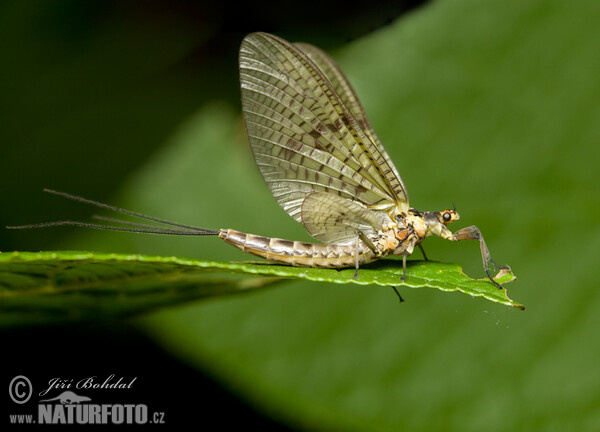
x,y
138,227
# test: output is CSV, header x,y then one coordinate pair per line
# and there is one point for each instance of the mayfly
x,y
323,163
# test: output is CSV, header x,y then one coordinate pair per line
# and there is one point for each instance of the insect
x,y
323,163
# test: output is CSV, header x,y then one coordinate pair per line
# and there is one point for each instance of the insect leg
x,y
361,236
473,233
398,294
356,254
423,252
403,268
368,242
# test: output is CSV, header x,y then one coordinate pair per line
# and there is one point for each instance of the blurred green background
x,y
492,105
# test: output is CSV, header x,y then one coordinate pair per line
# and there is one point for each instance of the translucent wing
x,y
344,90
333,219
304,137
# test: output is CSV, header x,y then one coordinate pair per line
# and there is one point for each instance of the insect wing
x,y
303,136
344,90
334,219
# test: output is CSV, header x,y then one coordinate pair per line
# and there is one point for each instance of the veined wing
x,y
303,136
344,90
333,219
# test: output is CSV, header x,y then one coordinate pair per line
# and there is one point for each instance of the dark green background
x,y
492,105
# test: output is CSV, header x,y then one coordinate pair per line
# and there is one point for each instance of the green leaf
x,y
85,285
37,288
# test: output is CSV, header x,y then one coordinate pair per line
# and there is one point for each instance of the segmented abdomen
x,y
297,253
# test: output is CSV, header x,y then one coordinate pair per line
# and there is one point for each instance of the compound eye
x,y
447,217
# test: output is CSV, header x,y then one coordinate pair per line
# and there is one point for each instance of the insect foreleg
x,y
473,233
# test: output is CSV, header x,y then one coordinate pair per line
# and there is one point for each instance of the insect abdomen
x,y
297,253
